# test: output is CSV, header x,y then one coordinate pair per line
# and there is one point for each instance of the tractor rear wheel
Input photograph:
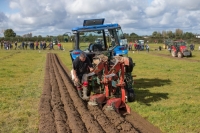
x,y
174,54
131,95
180,55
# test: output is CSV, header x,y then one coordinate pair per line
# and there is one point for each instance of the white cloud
x,y
54,17
185,4
157,7
14,5
18,19
3,22
166,19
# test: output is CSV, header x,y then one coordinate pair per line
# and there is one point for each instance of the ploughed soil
x,y
62,110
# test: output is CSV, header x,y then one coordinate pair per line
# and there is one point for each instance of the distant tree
x,y
60,38
18,36
188,35
154,34
158,34
164,33
9,33
35,38
170,34
40,38
178,33
133,35
126,35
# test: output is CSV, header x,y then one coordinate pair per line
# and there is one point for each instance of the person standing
x,y
15,45
147,47
33,45
170,48
130,46
26,45
36,44
23,44
30,45
1,44
191,47
44,45
59,46
9,45
135,45
41,45
51,45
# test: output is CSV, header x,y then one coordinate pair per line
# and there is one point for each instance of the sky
x,y
55,17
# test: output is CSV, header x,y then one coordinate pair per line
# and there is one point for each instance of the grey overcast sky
x,y
55,17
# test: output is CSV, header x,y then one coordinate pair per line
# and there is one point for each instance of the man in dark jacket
x,y
81,66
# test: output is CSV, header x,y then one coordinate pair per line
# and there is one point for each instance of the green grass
x,y
167,90
21,80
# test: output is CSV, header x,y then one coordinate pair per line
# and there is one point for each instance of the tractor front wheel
x,y
180,55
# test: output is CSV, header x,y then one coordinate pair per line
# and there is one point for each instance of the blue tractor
x,y
110,73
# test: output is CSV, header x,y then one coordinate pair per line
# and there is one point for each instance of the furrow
x,y
91,124
75,123
46,123
58,110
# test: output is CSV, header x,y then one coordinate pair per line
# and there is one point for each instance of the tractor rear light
x,y
76,52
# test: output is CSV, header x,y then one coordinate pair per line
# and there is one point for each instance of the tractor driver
x,y
81,65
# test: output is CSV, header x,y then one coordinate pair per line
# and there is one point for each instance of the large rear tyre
x,y
174,54
180,55
131,95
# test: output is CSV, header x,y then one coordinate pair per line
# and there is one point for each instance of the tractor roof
x,y
95,24
179,41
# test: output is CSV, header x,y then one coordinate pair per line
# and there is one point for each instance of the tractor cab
x,y
95,37
141,44
167,43
54,40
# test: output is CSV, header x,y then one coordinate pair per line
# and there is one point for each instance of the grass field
x,y
167,90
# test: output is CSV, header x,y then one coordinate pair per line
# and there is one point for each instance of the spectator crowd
x,y
42,45
136,46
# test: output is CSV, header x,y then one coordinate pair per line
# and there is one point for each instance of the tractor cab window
x,y
97,40
183,43
117,37
91,41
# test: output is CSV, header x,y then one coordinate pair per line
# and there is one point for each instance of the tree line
x,y
156,36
